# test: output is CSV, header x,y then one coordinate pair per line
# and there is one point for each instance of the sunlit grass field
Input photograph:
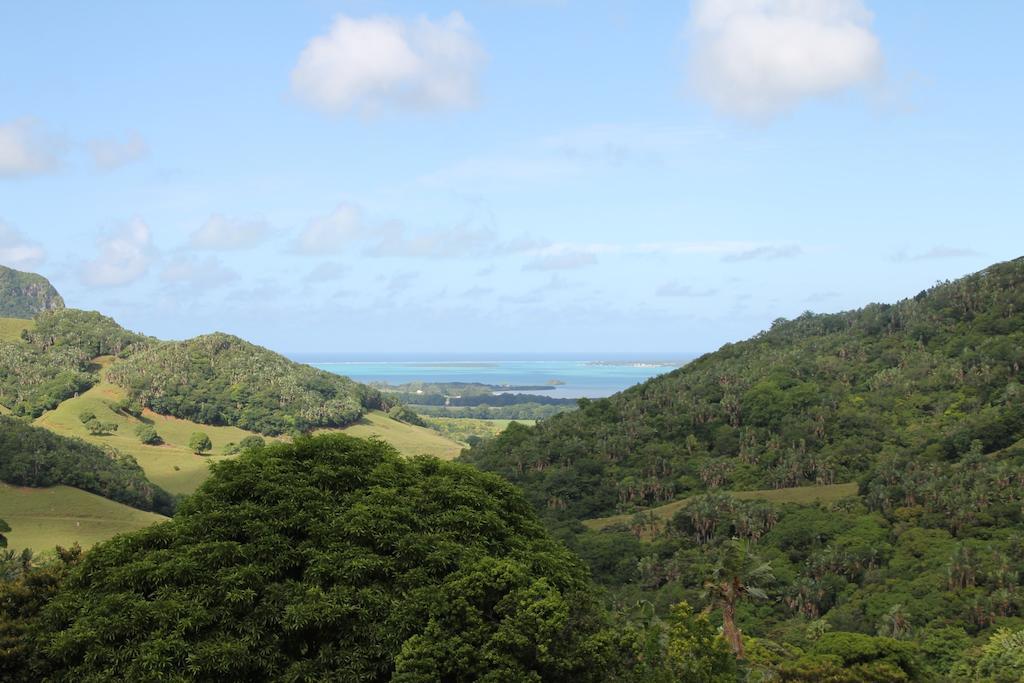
x,y
10,328
408,439
60,515
171,465
803,495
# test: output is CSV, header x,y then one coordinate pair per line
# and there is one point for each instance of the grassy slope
x,y
159,462
10,328
61,515
408,439
799,494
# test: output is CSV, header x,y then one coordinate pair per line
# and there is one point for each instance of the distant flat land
x,y
800,494
60,515
461,428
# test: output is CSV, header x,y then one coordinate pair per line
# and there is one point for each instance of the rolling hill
x,y
219,379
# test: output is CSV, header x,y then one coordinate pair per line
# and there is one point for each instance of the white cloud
x,y
379,63
768,252
16,251
332,232
674,289
564,260
328,271
458,242
756,58
111,153
198,274
26,148
729,251
124,257
935,253
223,233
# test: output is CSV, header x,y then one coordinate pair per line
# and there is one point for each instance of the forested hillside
x,y
23,295
54,358
35,457
223,380
818,399
915,578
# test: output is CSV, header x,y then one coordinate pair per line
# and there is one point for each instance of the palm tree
x,y
740,575
895,623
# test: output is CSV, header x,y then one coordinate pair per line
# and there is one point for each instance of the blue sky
x,y
502,175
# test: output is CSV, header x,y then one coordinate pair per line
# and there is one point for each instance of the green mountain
x,y
219,379
816,400
907,569
23,295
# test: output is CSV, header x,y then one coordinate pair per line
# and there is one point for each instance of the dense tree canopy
x,y
31,456
331,558
218,379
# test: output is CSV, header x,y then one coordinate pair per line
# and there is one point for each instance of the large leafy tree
x,y
739,576
331,558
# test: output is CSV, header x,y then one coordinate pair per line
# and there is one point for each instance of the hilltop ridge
x,y
24,295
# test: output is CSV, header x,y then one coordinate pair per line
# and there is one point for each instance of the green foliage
x,y
405,414
697,653
86,416
331,558
1002,657
25,587
98,428
30,456
147,435
200,443
4,528
23,295
251,442
218,379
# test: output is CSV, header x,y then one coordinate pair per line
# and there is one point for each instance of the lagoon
x,y
567,375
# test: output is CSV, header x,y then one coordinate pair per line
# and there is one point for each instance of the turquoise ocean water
x,y
576,377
